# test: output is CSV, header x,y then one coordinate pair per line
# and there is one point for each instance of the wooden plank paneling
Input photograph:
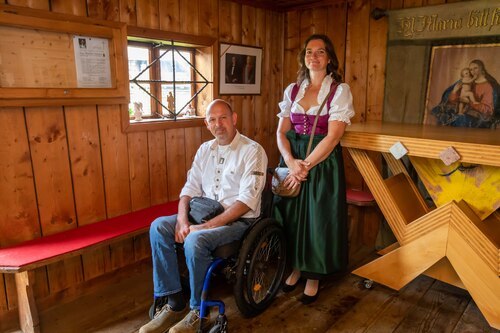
x,y
108,10
337,30
128,13
139,170
35,4
116,176
261,124
147,14
248,38
207,19
292,47
230,30
157,167
357,55
189,14
412,3
49,151
86,170
306,25
114,160
176,163
276,83
319,18
376,65
169,15
396,4
17,194
75,7
192,145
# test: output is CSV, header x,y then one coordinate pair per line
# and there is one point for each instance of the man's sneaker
x,y
190,323
163,320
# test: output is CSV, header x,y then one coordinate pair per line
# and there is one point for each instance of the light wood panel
x,y
104,10
176,177
357,55
139,170
157,167
87,177
169,14
147,14
18,203
35,4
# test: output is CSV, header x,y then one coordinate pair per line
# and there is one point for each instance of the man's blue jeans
x,y
198,247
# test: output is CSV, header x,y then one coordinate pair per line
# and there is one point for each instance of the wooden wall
x,y
64,167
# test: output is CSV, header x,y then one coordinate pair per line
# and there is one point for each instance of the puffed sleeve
x,y
286,104
341,107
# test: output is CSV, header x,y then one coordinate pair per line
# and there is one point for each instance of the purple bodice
x,y
302,123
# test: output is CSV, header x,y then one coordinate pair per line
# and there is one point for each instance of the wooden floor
x,y
344,305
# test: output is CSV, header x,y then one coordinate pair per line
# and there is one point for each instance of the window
x,y
170,80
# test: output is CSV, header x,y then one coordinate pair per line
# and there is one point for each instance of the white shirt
x,y
229,173
341,107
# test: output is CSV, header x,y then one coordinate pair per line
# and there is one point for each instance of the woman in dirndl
x,y
315,222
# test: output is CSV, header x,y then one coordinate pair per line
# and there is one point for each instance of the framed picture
x,y
240,69
462,89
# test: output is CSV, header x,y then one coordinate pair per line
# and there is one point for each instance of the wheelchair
x,y
255,265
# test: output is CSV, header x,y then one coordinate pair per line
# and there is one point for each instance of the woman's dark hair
x,y
496,91
332,67
487,75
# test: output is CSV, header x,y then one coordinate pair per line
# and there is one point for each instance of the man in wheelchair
x,y
230,169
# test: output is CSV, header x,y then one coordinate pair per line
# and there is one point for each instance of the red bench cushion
x,y
75,239
358,197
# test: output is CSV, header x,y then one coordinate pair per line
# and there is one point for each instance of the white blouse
x,y
341,107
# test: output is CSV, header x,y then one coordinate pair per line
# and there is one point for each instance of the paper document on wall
x,y
92,62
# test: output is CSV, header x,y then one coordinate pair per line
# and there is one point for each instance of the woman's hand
x,y
298,169
291,182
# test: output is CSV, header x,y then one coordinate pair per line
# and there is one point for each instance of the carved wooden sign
x,y
461,19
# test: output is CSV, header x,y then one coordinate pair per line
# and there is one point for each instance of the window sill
x,y
154,124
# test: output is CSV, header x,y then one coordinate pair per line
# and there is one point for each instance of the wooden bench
x,y
23,258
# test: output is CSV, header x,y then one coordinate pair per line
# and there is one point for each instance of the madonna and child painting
x,y
463,89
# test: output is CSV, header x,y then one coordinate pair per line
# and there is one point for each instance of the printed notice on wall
x,y
92,62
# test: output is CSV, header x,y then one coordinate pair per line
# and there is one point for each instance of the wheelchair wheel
x,y
260,268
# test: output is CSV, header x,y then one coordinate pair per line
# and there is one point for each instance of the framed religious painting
x,y
462,89
240,69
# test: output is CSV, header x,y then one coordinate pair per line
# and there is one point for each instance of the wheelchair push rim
x,y
260,269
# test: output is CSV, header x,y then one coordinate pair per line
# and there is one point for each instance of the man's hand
x,y
182,229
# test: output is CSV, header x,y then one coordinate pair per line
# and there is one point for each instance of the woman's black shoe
x,y
306,299
288,288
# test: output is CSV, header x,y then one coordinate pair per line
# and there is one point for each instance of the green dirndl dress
x,y
315,222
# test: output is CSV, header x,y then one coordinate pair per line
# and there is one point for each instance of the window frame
x,y
146,35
